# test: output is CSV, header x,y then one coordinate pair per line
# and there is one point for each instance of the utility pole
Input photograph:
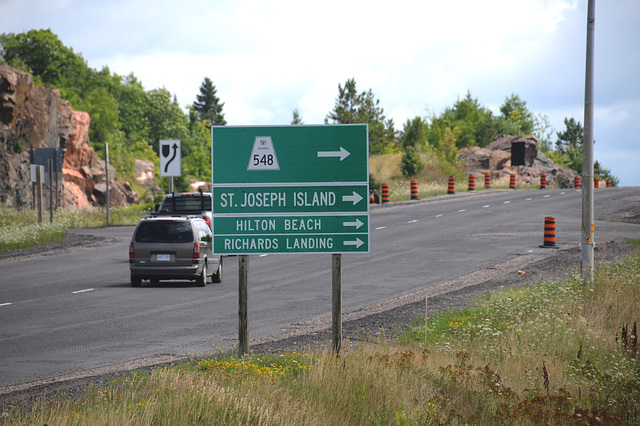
x,y
588,244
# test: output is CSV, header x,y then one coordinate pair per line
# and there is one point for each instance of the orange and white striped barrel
x,y
452,185
487,180
385,193
596,183
549,232
472,183
543,181
414,189
512,181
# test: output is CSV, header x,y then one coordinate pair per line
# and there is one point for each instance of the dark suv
x,y
167,248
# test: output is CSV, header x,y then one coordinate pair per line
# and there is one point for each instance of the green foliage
x,y
571,137
124,115
296,119
352,107
414,134
514,110
208,106
476,124
543,130
411,162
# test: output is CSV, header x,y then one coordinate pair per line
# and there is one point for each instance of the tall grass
x,y
556,353
20,228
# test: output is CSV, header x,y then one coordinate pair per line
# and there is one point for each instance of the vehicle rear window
x,y
186,203
164,231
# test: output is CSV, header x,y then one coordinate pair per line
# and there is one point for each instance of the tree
x,y
352,107
41,53
411,162
208,105
414,134
297,119
571,137
543,130
514,110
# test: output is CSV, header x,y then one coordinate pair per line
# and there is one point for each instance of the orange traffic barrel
x,y
472,183
596,183
452,185
549,232
385,193
487,180
374,199
543,181
512,181
414,189
608,184
576,182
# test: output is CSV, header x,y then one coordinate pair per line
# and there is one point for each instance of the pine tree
x,y
208,106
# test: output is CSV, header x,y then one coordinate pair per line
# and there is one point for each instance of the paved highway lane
x,y
65,313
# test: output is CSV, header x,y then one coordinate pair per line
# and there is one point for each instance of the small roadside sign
x,y
170,157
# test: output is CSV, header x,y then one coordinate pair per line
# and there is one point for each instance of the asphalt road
x,y
63,314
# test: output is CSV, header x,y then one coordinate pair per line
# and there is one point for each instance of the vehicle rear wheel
x,y
217,277
136,280
201,281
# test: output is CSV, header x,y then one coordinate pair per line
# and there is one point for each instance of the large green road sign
x,y
290,189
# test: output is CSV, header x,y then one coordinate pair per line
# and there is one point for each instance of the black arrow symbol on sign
x,y
175,151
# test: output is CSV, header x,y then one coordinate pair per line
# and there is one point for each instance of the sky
x,y
418,57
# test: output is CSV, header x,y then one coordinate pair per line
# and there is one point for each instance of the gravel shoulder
x,y
388,318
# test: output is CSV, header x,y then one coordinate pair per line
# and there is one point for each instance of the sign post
x,y
291,189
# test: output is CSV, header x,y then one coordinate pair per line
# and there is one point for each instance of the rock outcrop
x,y
495,158
36,117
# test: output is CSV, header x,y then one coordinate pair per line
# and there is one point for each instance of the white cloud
x,y
267,58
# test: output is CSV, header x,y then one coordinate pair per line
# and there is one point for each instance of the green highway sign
x,y
290,189
290,199
290,154
299,224
298,243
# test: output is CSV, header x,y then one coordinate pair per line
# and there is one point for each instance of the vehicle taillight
x,y
196,251
206,219
131,254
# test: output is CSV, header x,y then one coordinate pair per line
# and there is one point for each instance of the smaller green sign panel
x,y
291,243
291,199
272,225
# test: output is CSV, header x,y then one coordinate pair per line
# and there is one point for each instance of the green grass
x,y
556,353
20,228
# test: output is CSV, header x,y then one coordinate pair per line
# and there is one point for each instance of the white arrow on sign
x,y
358,242
343,153
356,198
358,223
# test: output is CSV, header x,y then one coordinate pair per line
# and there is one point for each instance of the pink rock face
x,y
35,117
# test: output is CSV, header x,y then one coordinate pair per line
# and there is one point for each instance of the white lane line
x,y
6,304
547,196
486,207
562,193
507,202
439,215
412,221
463,210
82,291
263,255
528,199
380,227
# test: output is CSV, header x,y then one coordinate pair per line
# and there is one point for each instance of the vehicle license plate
x,y
164,257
